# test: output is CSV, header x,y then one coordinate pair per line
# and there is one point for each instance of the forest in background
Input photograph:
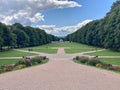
x,y
17,36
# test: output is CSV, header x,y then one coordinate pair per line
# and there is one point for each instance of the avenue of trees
x,y
103,33
16,36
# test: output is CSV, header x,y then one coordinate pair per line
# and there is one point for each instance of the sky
x,y
57,17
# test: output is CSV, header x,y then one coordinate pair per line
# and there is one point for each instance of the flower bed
x,y
25,62
96,62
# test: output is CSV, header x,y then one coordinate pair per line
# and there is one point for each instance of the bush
x,y
9,67
43,57
36,59
34,63
83,59
2,70
24,62
19,67
1,67
77,57
97,63
94,61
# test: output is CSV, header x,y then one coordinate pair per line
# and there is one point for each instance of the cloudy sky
x,y
57,17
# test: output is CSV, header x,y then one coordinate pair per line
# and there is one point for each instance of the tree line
x,y
103,33
17,36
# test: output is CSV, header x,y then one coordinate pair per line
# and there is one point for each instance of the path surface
x,y
60,74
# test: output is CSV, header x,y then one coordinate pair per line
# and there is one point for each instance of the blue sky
x,y
91,9
57,17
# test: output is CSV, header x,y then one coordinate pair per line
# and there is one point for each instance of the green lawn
x,y
43,48
13,53
77,47
50,51
106,53
114,61
75,50
8,61
69,47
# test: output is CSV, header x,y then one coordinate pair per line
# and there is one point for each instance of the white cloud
x,y
29,11
62,31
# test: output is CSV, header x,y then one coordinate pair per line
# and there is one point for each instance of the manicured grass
x,y
114,61
8,61
50,51
43,48
106,53
69,47
77,48
13,53
74,50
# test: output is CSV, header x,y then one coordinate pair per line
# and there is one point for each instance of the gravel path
x,y
60,74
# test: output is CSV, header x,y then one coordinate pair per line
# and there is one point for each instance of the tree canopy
x,y
17,35
103,33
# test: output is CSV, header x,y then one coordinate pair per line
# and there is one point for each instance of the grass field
x,y
69,47
13,53
44,48
77,47
8,61
106,53
114,61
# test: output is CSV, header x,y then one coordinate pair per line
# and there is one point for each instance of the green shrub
x,y
36,59
111,68
24,62
43,57
98,65
19,67
3,70
34,63
83,59
94,61
9,67
77,57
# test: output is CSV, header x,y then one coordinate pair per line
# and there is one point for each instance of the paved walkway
x,y
60,74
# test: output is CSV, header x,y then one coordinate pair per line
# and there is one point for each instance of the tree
x,y
22,38
103,33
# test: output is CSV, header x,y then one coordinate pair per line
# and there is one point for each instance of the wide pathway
x,y
60,73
